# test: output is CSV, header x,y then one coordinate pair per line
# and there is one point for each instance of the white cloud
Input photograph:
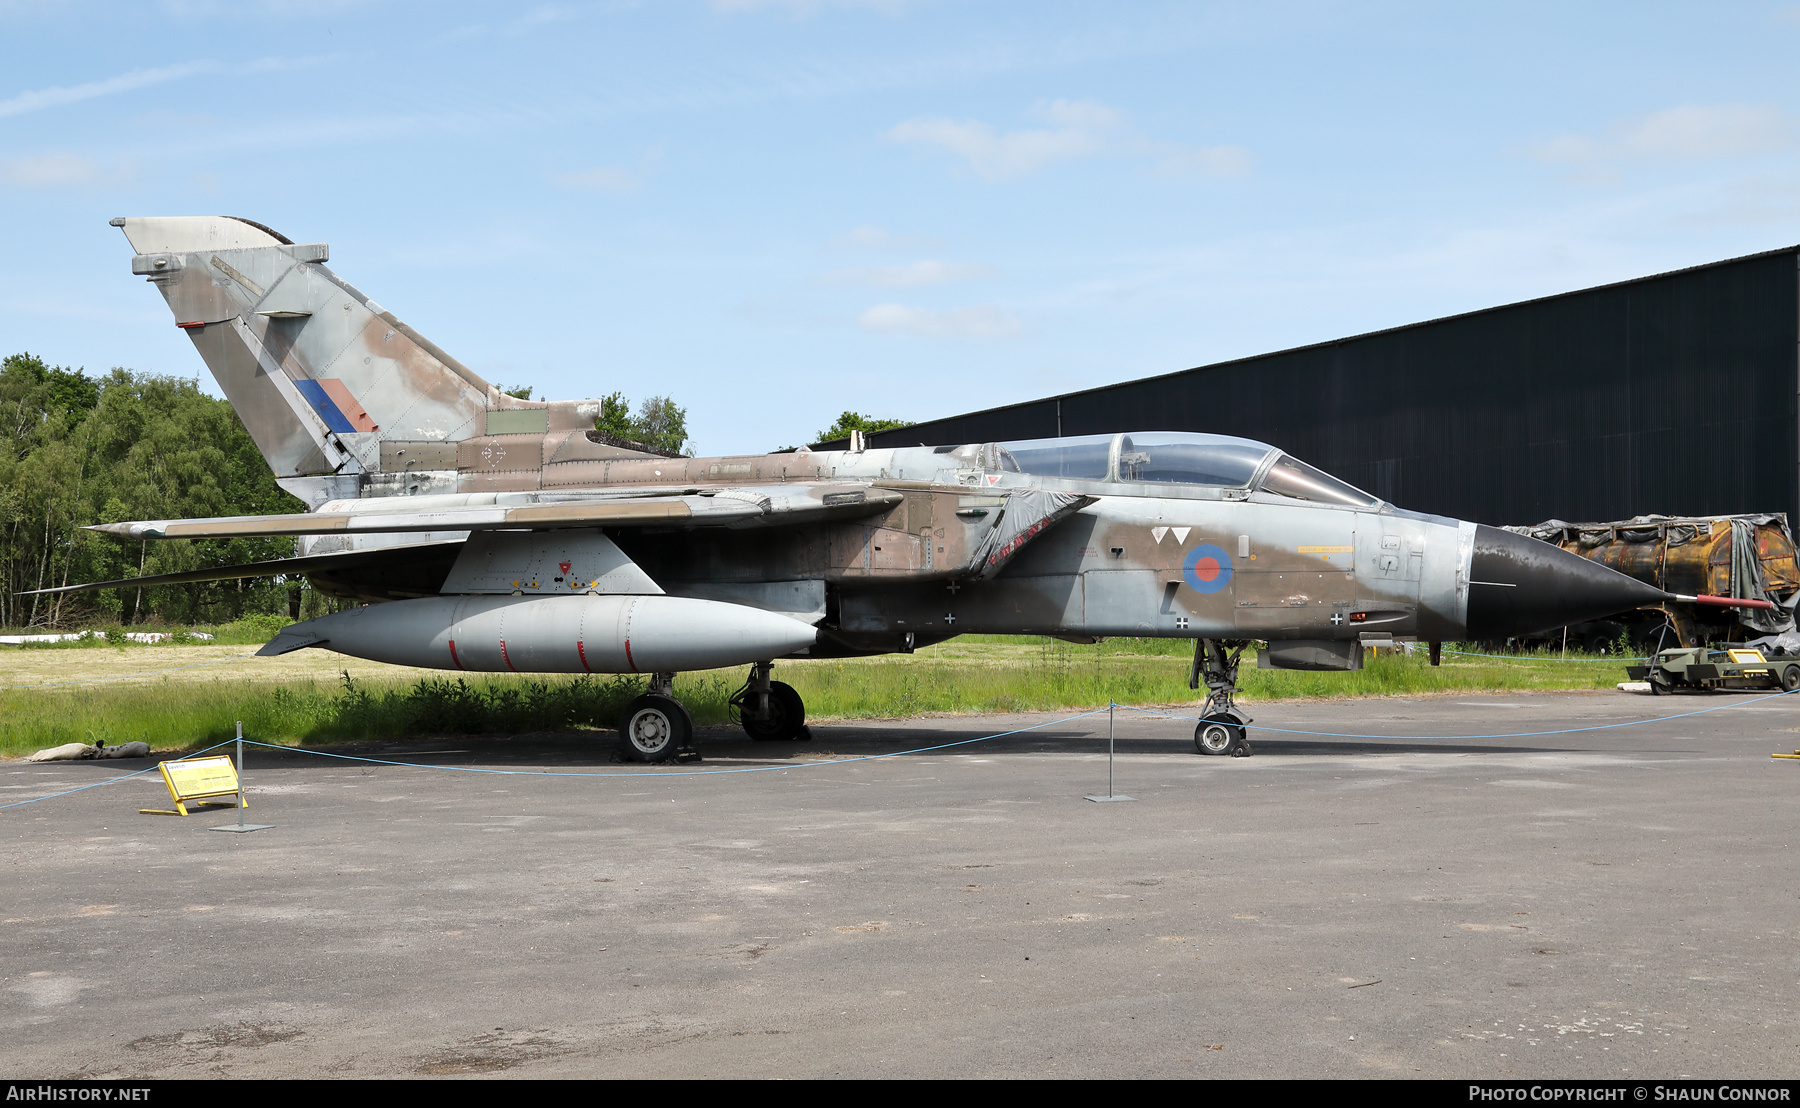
x,y
125,82
59,171
538,17
1688,132
1083,128
280,9
612,180
915,275
1692,131
801,9
1080,129
1206,161
40,99
984,321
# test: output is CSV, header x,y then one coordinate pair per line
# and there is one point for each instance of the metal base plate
x,y
237,827
1104,799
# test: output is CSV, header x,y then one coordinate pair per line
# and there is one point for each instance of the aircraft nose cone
x,y
1519,585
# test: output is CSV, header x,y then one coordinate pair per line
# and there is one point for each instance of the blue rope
x,y
109,780
557,773
684,772
1512,735
902,753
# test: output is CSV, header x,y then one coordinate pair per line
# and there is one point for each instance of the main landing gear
x,y
770,711
1222,727
655,727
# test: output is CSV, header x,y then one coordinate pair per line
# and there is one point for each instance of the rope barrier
x,y
567,773
108,781
1509,735
683,772
640,775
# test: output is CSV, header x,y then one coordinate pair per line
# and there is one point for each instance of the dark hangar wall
x,y
1673,394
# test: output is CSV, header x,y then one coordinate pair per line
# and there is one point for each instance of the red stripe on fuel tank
x,y
628,660
453,656
581,652
506,659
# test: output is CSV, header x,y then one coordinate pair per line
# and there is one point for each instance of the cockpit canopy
x,y
1180,458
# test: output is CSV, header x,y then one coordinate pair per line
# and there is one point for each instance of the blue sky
x,y
775,210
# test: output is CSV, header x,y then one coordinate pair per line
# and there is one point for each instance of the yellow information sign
x,y
195,779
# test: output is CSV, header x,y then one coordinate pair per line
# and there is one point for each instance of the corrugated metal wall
x,y
1674,394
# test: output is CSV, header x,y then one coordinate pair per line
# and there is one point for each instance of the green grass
x,y
968,675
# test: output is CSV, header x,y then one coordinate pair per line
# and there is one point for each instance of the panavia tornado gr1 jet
x,y
487,533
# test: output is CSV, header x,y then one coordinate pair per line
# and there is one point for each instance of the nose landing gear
x,y
1222,729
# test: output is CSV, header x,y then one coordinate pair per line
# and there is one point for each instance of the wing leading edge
x,y
770,507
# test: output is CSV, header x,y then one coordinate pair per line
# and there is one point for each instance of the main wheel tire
x,y
786,718
652,728
1659,688
1219,734
1790,678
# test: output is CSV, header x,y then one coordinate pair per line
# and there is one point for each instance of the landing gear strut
x,y
655,727
771,711
1221,729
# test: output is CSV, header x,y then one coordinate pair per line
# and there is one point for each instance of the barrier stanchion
x,y
240,826
1110,705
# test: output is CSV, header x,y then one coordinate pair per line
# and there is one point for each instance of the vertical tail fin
x,y
321,375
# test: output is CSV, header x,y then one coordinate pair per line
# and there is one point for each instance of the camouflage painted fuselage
x,y
424,481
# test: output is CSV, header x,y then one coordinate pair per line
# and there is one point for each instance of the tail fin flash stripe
x,y
327,408
347,404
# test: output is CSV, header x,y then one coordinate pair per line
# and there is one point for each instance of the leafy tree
x,y
519,392
77,450
854,421
615,417
661,425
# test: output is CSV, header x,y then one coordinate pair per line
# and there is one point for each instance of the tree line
x,y
77,450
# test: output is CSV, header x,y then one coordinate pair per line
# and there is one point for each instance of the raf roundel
x,y
1207,568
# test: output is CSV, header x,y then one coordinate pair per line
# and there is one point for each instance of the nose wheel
x,y
1222,729
1220,734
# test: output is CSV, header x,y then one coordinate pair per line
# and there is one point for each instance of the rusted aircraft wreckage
x,y
488,533
1747,556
